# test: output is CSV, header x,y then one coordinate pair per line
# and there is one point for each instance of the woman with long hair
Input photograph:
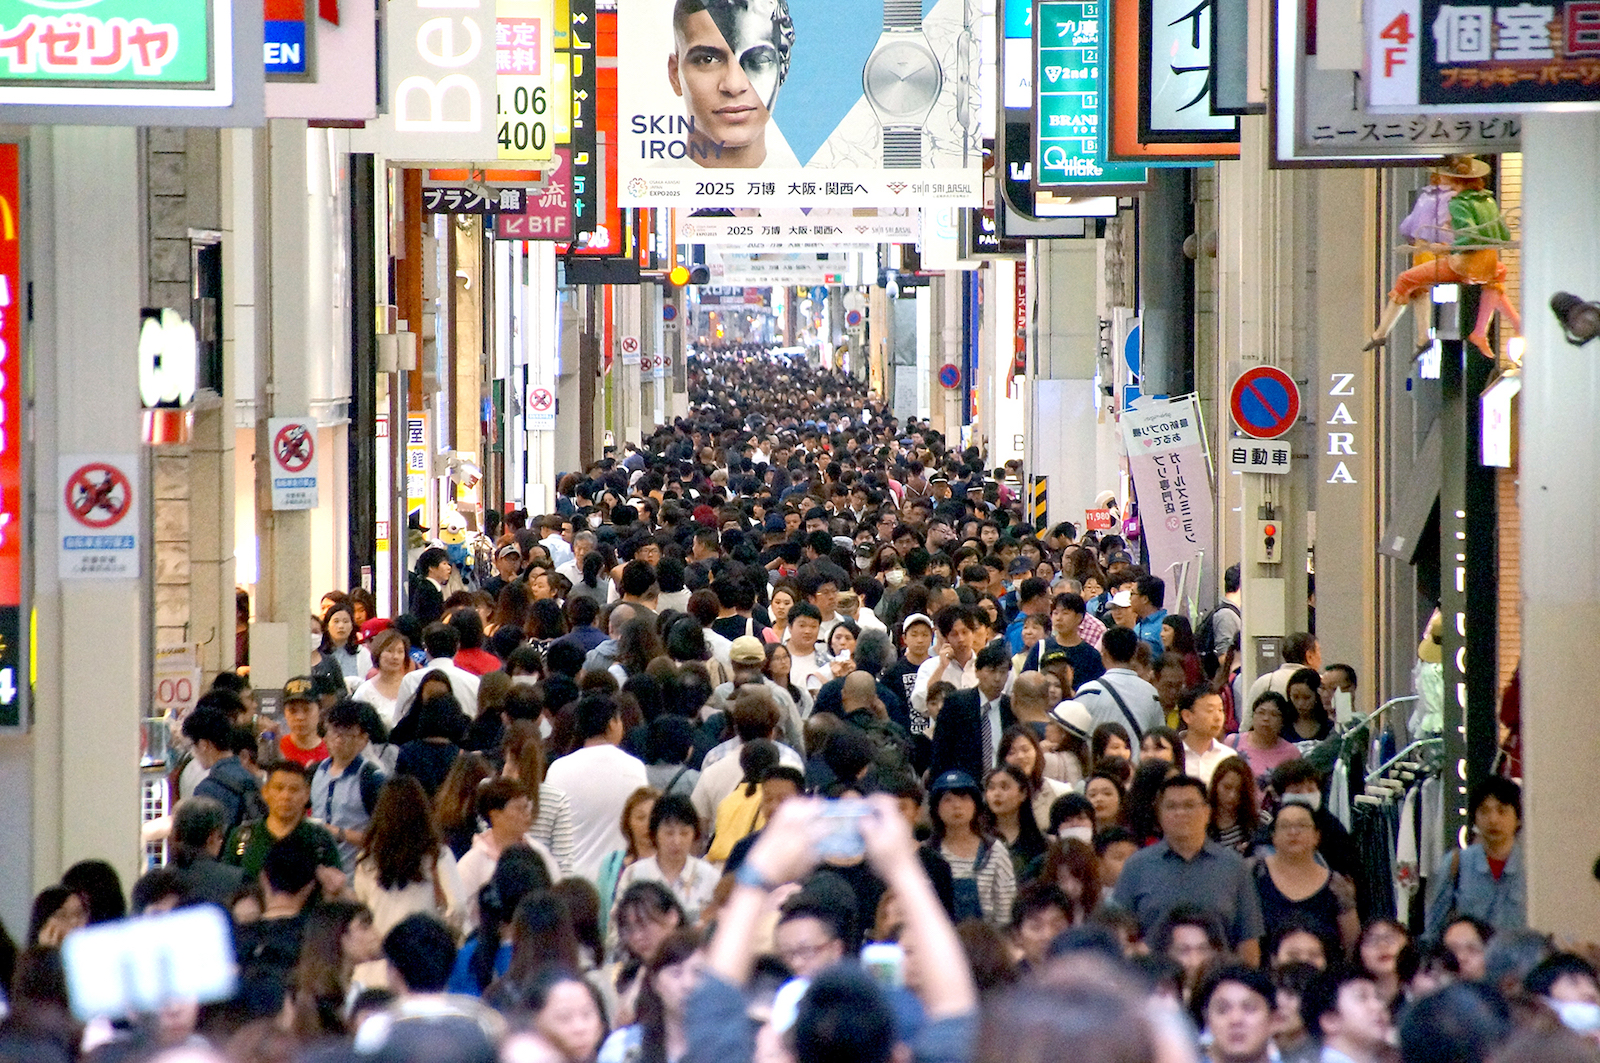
x,y
487,952
1107,797
594,575
1235,815
780,669
567,1012
57,912
1009,797
1309,721
637,844
637,646
341,642
1070,864
1107,741
1020,748
542,938
512,608
985,883
524,757
657,1034
404,867
392,654
455,805
646,915
434,683
1177,637
784,597
339,936
428,757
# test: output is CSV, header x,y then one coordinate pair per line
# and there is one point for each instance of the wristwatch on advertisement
x,y
902,80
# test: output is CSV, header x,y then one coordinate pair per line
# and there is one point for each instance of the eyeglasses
x,y
801,953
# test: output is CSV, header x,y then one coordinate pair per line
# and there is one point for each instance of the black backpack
x,y
1205,637
252,806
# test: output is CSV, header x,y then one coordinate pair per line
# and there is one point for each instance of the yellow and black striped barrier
x,y
1040,506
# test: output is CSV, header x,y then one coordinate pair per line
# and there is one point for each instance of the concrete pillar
x,y
283,377
84,229
1561,590
1065,441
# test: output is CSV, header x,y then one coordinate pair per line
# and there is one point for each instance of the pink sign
x,y
548,211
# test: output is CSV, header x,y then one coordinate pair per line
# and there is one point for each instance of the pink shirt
x,y
1263,762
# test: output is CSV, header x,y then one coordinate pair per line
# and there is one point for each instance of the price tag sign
x,y
525,74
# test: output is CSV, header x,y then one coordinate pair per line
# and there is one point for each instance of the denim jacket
x,y
1473,890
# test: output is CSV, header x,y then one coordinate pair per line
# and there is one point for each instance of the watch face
x,y
902,79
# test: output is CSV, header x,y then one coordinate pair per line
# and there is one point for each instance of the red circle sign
x,y
98,495
949,376
1265,402
542,400
294,447
630,345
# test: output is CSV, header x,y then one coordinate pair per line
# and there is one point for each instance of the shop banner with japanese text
x,y
799,103
1167,460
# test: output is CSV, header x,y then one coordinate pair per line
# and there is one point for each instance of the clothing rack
x,y
1406,763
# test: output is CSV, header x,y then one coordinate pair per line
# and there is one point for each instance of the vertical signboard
x,y
837,103
524,78
1070,86
547,211
1163,75
583,93
417,466
1167,458
294,462
12,524
1432,56
441,84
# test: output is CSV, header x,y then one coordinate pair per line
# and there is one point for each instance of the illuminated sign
x,y
290,36
116,52
525,78
12,524
1070,82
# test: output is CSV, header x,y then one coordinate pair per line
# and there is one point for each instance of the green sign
x,y
1071,78
109,44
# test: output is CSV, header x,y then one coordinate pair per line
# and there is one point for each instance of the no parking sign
x,y
99,516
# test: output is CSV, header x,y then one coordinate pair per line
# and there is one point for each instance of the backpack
x,y
892,756
1205,637
252,806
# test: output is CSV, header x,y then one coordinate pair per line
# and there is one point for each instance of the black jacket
x,y
958,734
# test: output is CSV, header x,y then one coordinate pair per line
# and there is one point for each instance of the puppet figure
x,y
1456,231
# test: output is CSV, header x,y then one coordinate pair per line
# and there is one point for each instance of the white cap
x,y
1122,599
916,618
1074,717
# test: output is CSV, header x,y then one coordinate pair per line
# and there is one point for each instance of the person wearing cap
x,y
747,657
302,741
983,875
916,641
940,485
507,563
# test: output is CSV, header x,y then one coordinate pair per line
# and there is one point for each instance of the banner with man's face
x,y
802,103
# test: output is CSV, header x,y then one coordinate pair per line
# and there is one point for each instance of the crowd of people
x,y
787,737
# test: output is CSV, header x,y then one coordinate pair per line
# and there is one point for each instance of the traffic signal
x,y
682,275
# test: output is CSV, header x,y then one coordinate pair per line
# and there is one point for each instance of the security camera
x,y
1580,321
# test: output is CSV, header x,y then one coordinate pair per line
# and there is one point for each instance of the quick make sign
x,y
1070,84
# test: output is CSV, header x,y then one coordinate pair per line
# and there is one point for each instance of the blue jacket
x,y
1473,890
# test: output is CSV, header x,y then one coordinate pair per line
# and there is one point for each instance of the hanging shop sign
x,y
547,211
12,522
345,85
440,88
844,103
777,268
1432,56
450,200
1070,85
294,462
1320,117
1236,86
290,40
1167,459
524,78
131,62
98,516
1163,70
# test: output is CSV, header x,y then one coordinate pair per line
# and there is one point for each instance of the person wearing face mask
x,y
1568,983
1299,782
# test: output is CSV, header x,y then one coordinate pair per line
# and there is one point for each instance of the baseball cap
x,y
300,688
1021,566
1054,655
1122,599
747,649
953,780
775,522
915,618
508,550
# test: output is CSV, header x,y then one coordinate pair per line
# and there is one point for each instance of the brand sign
x,y
833,103
440,96
289,39
98,514
294,462
1320,116
1432,56
346,84
1070,85
1163,74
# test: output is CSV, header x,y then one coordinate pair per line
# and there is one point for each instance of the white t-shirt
x,y
597,781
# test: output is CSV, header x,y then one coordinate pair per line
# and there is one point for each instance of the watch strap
x,y
902,149
747,875
902,14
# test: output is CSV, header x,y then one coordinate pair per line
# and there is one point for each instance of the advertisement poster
x,y
1167,459
1443,57
795,230
799,103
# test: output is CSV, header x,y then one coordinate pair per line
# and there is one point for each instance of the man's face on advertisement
x,y
728,68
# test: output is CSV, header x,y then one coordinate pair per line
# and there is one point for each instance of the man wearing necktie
x,y
967,734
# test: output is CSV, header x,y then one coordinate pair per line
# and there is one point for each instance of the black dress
x,y
1318,913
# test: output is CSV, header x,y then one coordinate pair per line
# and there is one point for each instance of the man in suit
x,y
967,734
427,585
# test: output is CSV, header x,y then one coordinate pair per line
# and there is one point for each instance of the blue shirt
x,y
461,977
1149,629
1157,879
338,802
